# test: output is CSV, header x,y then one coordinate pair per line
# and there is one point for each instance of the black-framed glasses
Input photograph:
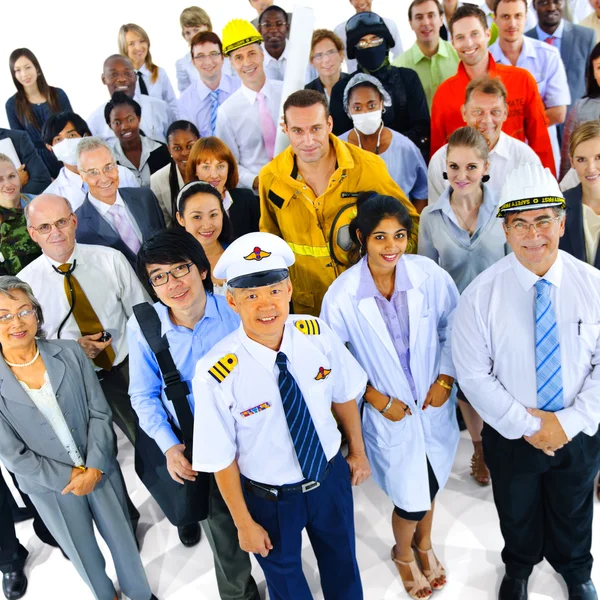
x,y
177,272
46,228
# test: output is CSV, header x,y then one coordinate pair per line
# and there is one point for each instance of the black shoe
x,y
583,591
512,588
189,535
14,584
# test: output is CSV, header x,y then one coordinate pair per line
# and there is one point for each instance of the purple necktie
x,y
267,125
124,228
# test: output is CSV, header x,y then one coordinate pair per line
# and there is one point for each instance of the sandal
x,y
436,570
419,582
479,470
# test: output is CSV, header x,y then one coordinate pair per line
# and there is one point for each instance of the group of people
x,y
408,261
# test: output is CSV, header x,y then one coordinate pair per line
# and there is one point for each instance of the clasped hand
x,y
82,483
551,436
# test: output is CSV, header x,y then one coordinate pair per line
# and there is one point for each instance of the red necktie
x,y
550,40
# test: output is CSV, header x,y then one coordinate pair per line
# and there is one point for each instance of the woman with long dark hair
x,y
34,102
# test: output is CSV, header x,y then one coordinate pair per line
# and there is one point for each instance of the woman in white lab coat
x,y
395,312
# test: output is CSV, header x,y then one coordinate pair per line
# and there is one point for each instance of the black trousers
x,y
12,553
545,504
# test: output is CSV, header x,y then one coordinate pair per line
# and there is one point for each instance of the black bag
x,y
182,504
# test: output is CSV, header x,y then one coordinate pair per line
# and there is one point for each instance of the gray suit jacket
x,y
576,45
28,446
92,228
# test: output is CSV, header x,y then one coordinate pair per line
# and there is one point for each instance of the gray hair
x,y
89,144
8,159
9,283
559,212
36,201
365,78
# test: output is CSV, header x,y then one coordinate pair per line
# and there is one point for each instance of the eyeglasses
x,y
177,272
319,56
271,25
210,56
106,169
363,44
22,315
46,228
521,228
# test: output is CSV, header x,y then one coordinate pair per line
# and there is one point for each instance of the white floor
x,y
466,534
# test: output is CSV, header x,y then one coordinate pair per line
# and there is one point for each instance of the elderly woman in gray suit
x,y
56,436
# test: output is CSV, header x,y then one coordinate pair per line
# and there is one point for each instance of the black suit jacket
x,y
318,86
39,177
244,212
573,241
92,228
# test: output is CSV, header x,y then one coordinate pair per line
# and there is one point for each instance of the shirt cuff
x,y
570,421
533,425
165,438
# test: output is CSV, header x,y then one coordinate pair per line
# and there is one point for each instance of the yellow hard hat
x,y
238,33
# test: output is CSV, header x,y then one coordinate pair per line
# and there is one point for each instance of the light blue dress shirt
x,y
146,385
542,35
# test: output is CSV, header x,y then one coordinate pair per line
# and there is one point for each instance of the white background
x,y
72,38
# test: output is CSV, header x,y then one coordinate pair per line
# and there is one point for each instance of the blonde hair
x,y
122,41
194,16
584,132
7,159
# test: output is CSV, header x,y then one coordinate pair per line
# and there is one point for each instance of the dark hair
x,y
364,84
372,208
121,99
304,99
419,2
272,8
206,37
23,106
56,123
168,247
497,2
188,127
201,187
592,87
468,10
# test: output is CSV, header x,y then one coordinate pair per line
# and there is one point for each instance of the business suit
x,y
39,177
29,448
244,212
92,228
573,241
317,85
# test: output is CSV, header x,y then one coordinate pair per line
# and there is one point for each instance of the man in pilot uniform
x,y
265,426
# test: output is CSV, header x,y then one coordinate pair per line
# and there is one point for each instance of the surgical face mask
x,y
367,123
372,59
66,151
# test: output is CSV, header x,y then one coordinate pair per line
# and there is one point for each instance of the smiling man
x,y
276,454
526,347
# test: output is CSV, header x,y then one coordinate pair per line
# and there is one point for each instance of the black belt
x,y
276,492
104,373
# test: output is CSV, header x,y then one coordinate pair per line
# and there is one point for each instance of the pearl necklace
x,y
27,364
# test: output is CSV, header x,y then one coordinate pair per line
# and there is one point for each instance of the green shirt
x,y
431,71
16,247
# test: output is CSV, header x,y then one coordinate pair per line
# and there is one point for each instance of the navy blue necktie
x,y
307,444
143,87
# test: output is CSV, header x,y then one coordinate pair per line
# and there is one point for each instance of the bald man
x,y
118,75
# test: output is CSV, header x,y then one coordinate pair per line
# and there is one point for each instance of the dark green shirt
x,y
16,247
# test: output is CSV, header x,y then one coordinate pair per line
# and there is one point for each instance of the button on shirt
x,y
493,345
195,103
108,215
238,125
260,439
187,347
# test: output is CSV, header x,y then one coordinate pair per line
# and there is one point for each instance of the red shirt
x,y
526,115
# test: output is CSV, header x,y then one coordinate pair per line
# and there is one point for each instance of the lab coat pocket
x,y
386,433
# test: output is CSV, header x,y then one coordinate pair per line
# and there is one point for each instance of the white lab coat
x,y
398,451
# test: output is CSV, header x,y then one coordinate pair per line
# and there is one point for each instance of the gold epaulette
x,y
223,367
308,326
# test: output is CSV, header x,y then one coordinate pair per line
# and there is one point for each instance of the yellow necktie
x,y
85,316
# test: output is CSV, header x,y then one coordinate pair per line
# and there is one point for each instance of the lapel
x,y
414,298
54,366
368,307
138,209
532,33
566,44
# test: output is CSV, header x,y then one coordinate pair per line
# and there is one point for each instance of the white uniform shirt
x,y
160,89
69,185
154,122
493,345
107,280
238,125
159,184
275,67
104,209
508,154
226,427
142,173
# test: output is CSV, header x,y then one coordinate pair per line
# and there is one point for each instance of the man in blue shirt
x,y
175,270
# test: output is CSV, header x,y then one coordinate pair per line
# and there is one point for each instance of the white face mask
x,y
367,123
66,151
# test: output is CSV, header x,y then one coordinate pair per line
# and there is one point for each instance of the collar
x,y
103,207
250,95
528,48
75,255
542,35
265,356
417,54
144,70
203,90
72,178
269,59
210,312
461,71
502,148
490,201
367,287
148,146
528,279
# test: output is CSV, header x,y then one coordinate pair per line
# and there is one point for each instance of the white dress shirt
x,y
187,73
71,186
154,122
104,209
108,281
238,125
160,89
508,154
142,173
570,180
159,184
275,67
226,429
493,345
195,102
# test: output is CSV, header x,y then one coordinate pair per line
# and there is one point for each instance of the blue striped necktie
x,y
307,444
547,351
214,107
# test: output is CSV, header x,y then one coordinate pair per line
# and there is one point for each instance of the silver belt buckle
x,y
310,485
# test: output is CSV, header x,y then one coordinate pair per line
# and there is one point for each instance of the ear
x,y
32,234
231,301
179,219
203,275
571,161
74,217
49,147
103,79
329,124
463,112
486,170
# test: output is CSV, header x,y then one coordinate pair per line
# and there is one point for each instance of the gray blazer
x,y
576,45
92,228
28,446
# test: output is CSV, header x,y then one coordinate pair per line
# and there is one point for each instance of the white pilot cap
x,y
254,260
528,187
